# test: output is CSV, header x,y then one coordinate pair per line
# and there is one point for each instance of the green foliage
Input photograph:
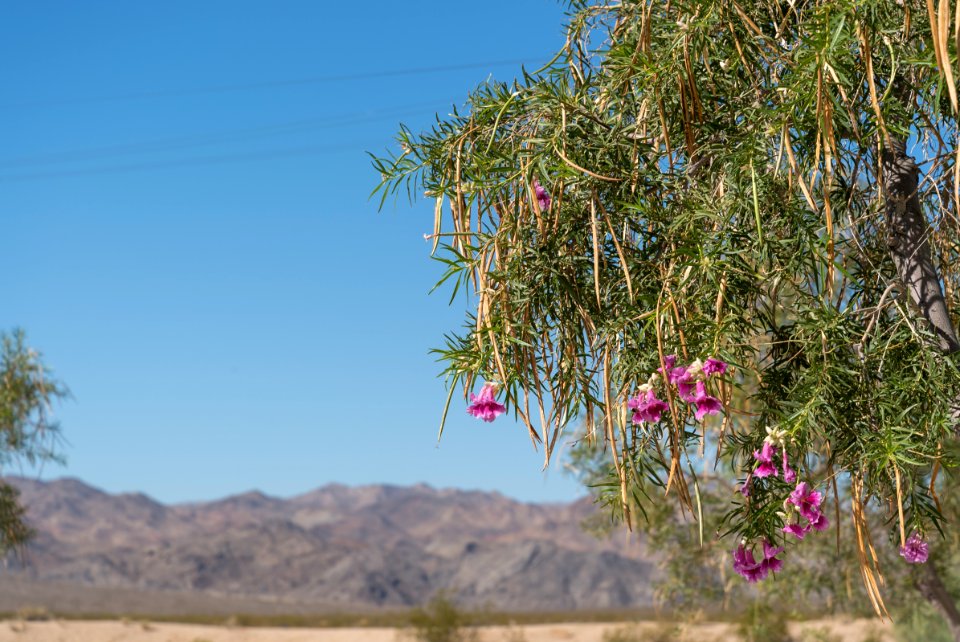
x,y
715,191
762,624
821,634
441,621
27,393
34,614
633,633
13,529
922,624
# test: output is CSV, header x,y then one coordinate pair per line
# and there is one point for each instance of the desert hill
x,y
332,548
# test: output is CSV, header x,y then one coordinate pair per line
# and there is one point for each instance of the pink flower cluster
x,y
807,504
915,550
752,570
485,406
767,467
766,464
646,407
803,500
690,382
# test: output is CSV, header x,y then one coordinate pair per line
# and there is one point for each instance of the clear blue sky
x,y
188,239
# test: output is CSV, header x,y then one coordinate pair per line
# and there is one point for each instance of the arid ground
x,y
134,631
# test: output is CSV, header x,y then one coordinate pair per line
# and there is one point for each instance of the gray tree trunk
x,y
907,234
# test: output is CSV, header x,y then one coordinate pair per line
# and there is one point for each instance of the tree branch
x,y
930,585
907,233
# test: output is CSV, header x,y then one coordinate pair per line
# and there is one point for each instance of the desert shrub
x,y
633,633
440,621
34,614
762,624
819,634
922,624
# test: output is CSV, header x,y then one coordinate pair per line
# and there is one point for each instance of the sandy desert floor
x,y
75,631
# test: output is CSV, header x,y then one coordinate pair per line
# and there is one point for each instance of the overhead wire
x,y
309,150
266,84
214,138
221,137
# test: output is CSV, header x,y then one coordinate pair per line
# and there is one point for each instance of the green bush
x,y
922,624
633,633
763,624
34,614
821,634
441,621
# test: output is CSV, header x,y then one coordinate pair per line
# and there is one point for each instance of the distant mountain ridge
x,y
334,547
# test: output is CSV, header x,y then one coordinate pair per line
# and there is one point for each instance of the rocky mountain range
x,y
335,548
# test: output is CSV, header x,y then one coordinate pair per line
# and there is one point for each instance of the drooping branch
x,y
907,241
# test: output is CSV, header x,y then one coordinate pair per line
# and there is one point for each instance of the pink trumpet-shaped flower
x,y
678,375
745,489
484,406
764,457
807,501
705,404
543,196
669,361
789,475
821,523
915,550
770,559
746,565
714,366
646,407
687,391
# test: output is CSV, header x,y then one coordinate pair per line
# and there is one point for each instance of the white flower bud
x,y
695,369
775,436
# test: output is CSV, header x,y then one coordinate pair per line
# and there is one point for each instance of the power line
x,y
214,138
189,162
267,84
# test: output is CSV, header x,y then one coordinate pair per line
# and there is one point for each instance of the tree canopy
x,y
771,184
27,433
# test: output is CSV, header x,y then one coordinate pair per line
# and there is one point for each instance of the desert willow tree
x,y
736,179
27,433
